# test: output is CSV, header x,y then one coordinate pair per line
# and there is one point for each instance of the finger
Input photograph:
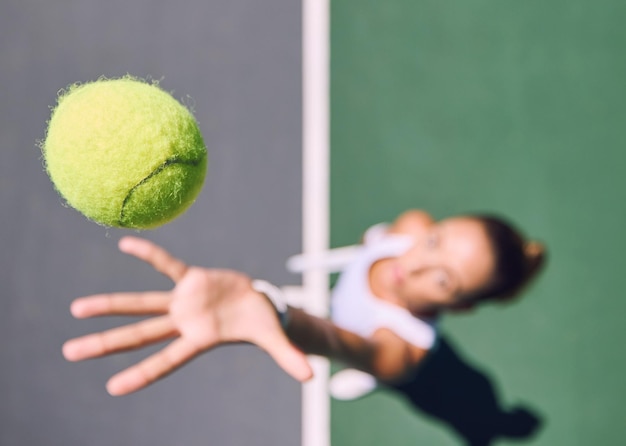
x,y
286,355
128,304
119,339
156,256
154,367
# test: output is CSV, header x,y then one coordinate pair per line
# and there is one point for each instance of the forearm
x,y
384,355
318,336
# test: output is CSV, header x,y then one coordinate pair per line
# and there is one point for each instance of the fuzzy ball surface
x,y
124,153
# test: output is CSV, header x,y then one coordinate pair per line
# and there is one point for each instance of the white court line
x,y
315,212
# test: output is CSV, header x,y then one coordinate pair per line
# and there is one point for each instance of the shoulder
x,y
397,357
411,222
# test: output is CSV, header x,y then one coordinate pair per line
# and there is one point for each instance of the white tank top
x,y
356,309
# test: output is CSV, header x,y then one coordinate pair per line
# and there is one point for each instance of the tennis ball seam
x,y
168,162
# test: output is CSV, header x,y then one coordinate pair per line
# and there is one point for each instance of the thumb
x,y
287,356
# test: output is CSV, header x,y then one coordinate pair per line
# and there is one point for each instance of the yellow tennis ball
x,y
125,153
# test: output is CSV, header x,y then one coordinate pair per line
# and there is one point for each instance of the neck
x,y
425,314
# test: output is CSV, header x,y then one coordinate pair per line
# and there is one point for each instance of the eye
x,y
443,281
432,240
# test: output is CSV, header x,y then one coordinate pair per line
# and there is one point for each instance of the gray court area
x,y
238,64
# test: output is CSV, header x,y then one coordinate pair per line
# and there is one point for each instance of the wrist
x,y
276,298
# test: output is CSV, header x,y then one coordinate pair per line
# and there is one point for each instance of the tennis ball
x,y
124,153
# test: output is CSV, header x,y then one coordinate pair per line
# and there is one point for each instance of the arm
x,y
207,308
385,355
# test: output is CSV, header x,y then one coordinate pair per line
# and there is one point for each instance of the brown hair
x,y
517,260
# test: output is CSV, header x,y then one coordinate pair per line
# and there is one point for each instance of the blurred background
x,y
509,107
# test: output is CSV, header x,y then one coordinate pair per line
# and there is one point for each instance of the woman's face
x,y
450,259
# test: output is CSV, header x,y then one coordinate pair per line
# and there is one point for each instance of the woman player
x,y
384,306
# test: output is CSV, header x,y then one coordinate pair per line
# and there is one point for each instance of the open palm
x,y
206,308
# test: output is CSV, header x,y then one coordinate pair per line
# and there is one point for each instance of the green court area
x,y
514,107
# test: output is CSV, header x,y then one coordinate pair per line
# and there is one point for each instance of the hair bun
x,y
535,253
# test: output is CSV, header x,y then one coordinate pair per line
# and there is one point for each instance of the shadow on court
x,y
465,399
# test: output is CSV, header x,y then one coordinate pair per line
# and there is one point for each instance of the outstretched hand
x,y
206,308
